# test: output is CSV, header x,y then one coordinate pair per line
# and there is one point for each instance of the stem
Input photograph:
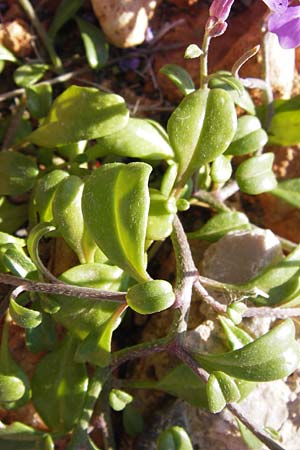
x,y
184,356
243,59
216,306
60,79
204,60
261,435
187,273
62,289
227,191
139,351
26,5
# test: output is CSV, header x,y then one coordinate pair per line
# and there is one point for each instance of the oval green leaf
x,y
201,128
248,138
29,74
180,77
115,207
139,139
273,356
17,173
221,224
151,296
175,438
59,386
24,317
95,44
39,99
255,176
99,114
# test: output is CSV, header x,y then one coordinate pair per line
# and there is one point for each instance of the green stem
x,y
26,5
204,60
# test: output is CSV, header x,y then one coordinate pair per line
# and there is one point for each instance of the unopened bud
x,y
220,9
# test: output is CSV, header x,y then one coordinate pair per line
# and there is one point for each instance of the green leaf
x,y
17,173
14,384
221,169
216,399
2,65
236,337
150,297
278,274
248,138
180,77
29,74
99,114
17,262
96,348
115,207
139,139
192,390
270,357
44,192
133,421
161,215
174,438
43,337
228,387
235,312
193,51
59,386
12,216
221,224
85,316
95,44
252,442
68,218
65,11
81,440
24,317
18,436
119,399
285,124
6,55
201,128
6,238
255,176
239,94
289,191
39,99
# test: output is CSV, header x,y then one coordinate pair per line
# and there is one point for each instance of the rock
x,y
241,255
15,36
124,22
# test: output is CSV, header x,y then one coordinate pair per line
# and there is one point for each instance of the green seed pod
x,y
150,297
175,438
248,138
119,399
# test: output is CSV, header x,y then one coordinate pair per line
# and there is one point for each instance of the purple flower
x,y
287,26
285,22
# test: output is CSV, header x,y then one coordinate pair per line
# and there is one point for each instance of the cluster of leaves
x,y
111,185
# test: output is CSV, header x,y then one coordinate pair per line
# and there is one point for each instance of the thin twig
x,y
261,435
26,5
62,289
60,79
139,351
215,305
185,357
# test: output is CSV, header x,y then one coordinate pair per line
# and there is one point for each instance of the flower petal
x,y
286,26
278,6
